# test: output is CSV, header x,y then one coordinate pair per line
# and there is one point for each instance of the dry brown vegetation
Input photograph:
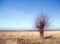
x,y
32,37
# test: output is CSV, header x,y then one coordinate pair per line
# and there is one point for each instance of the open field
x,y
31,37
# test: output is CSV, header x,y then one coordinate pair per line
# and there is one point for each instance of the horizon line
x,y
24,30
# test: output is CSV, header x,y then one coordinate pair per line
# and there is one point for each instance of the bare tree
x,y
41,25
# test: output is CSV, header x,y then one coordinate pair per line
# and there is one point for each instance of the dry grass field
x,y
31,37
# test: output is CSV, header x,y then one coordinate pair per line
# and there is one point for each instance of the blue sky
x,y
23,13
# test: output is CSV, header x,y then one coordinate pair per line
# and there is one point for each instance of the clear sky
x,y
23,13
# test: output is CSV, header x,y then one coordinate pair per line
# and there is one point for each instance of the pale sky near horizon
x,y
23,13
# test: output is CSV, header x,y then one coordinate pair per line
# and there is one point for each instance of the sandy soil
x,y
32,37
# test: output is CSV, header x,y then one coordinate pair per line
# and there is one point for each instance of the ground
x,y
31,37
